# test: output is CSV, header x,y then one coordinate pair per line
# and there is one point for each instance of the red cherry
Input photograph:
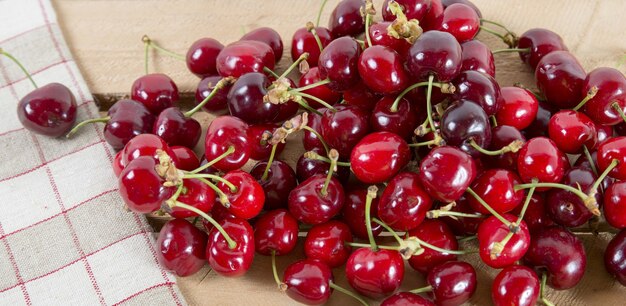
x,y
308,281
307,203
405,299
181,247
197,194
141,187
146,145
604,132
379,36
435,53
404,203
275,231
156,91
382,69
202,55
434,16
344,128
323,91
245,99
452,282
339,63
346,18
615,205
117,164
611,85
378,157
303,41
501,136
461,21
280,181
224,132
48,110
375,274
353,213
260,147
566,208
492,231
446,172
479,88
515,285
469,3
244,56
224,260
361,96
310,141
247,198
614,148
560,78
402,121
187,159
326,242
413,9
269,37
572,130
497,188
437,233
614,257
128,119
219,100
540,159
519,107
176,129
536,217
540,42
477,56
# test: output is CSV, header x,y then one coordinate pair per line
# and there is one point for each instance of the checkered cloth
x,y
64,237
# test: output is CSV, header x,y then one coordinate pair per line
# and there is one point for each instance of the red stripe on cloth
x,y
23,33
33,73
11,131
169,284
18,275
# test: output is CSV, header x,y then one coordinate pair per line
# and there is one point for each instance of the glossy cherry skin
x,y
566,208
219,101
615,257
541,159
401,122
413,9
306,168
375,274
406,298
197,194
361,96
439,234
404,202
539,127
571,130
202,55
560,78
614,148
303,41
611,85
463,122
146,145
260,148
187,159
461,21
604,132
48,110
280,181
128,119
435,53
117,164
244,56
177,129
477,56
378,157
561,254
156,91
181,247
497,188
275,231
309,206
247,201
380,37
503,135
453,283
434,16
479,88
308,281
469,3
224,260
519,107
382,69
344,128
615,204
353,213
446,172
515,285
326,242
141,187
536,217
463,226
269,37
541,42
346,18
492,231
339,62
245,99
223,132
323,91
310,141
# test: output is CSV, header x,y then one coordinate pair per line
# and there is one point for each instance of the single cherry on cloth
x,y
219,100
353,213
452,283
413,9
48,110
187,159
156,91
310,205
560,254
181,247
446,172
346,18
404,202
540,159
571,130
344,128
565,207
269,37
435,53
223,133
540,42
497,188
275,231
176,129
245,195
322,91
382,69
439,234
615,205
141,187
401,120
202,56
465,125
501,136
405,299
375,274
611,86
339,62
280,181
229,261
326,242
479,88
303,41
197,194
378,157
519,107
615,256
461,21
515,285
560,78
244,56
477,56
245,99
492,232
613,149
308,281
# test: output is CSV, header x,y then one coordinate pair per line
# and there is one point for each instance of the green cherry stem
x,y
218,86
429,106
319,13
295,64
594,188
315,156
488,207
152,44
498,247
529,197
437,213
438,249
542,289
230,151
311,28
492,32
334,156
231,243
520,50
619,110
592,93
88,121
12,58
589,201
348,293
223,198
388,229
270,71
313,85
367,245
275,271
213,177
369,11
592,164
514,146
314,98
266,172
371,194
422,290
320,138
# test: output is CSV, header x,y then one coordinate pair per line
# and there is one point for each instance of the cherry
x,y
280,181
326,242
226,260
434,16
275,231
187,159
339,63
361,96
539,43
604,132
466,125
197,194
461,21
613,149
156,91
539,127
269,37
477,56
439,234
48,110
515,285
435,53
181,247
536,217
402,121
375,274
245,99
310,141
479,88
260,146
322,92
223,133
519,107
219,100
202,55
379,36
245,195
346,18
560,78
611,93
497,188
406,298
378,157
469,3
540,159
495,249
244,56
501,136
310,205
308,167
146,145
561,254
615,204
413,9
446,172
141,187
353,213
452,283
615,257
308,281
304,41
117,164
572,130
565,207
344,128
382,69
176,129
404,202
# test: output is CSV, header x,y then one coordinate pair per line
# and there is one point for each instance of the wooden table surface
x,y
105,38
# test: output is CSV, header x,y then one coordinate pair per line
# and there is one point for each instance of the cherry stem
x,y
371,194
334,156
319,137
319,13
488,208
492,32
494,121
176,194
295,64
468,238
619,110
592,164
542,289
270,71
275,271
498,247
218,86
590,94
438,249
347,292
520,50
429,111
307,106
589,201
214,177
529,197
514,146
437,213
311,28
396,102
388,229
230,151
81,124
146,52
314,98
368,19
422,290
315,156
594,188
495,23
266,172
223,198
422,129
231,243
313,85
367,245
11,57
430,143
170,53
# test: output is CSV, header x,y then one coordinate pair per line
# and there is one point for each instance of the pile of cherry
x,y
406,132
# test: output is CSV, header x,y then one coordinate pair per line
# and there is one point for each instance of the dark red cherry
x,y
435,53
477,56
434,16
560,78
117,164
275,231
344,128
128,119
541,42
492,231
176,129
413,9
614,148
375,274
323,91
439,234
566,208
379,36
539,127
461,21
519,107
615,205
219,214
197,194
303,41
339,63
604,132
462,226
260,147
405,299
611,85
156,91
280,181
141,187
452,282
346,18
146,145
310,141
469,3
501,136
446,172
361,96
378,157
497,188
307,203
202,55
615,257
326,242
571,130
404,202
219,101
224,260
48,110
479,88
224,132
269,37
382,69
353,213
246,201
402,121
536,217
515,285
244,56
540,159
245,99
464,122
308,281
187,159
307,167
181,247
561,254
